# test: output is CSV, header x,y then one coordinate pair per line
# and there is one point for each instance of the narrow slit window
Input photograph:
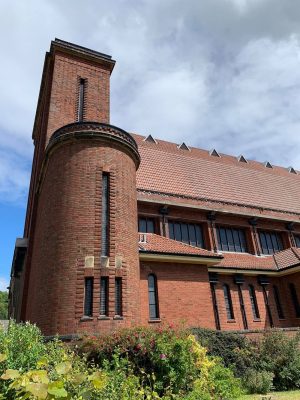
x,y
278,302
118,296
88,297
253,301
104,296
81,99
153,297
295,299
105,216
228,302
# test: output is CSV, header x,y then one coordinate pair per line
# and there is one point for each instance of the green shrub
x,y
280,355
258,381
234,349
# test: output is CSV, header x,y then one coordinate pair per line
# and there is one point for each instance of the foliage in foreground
x,y
3,304
270,363
137,363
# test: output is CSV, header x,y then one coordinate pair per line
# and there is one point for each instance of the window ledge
x,y
231,321
86,318
103,317
257,320
151,321
118,317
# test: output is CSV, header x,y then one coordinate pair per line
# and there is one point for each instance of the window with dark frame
x,y
295,299
81,95
118,297
253,300
88,297
105,215
146,225
231,239
270,242
297,240
153,297
278,302
104,296
228,302
186,232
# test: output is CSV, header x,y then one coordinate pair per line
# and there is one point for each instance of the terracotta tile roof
x,y
247,261
196,174
152,243
287,258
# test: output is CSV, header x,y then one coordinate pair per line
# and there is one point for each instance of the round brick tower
x,y
82,269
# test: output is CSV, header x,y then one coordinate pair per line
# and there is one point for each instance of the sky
x,y
221,74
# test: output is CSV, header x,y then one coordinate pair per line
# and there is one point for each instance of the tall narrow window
x,y
278,302
104,296
105,215
153,297
228,302
295,299
118,296
88,297
81,100
253,301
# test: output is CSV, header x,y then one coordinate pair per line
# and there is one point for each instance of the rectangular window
x,y
270,242
186,233
253,301
81,100
105,215
295,299
228,302
104,296
153,297
278,302
297,240
146,225
231,239
88,297
118,296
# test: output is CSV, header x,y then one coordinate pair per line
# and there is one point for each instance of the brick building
x,y
126,229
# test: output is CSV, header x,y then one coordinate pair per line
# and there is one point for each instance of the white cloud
x,y
3,284
213,73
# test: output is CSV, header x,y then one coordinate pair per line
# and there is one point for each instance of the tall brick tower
x,y
79,271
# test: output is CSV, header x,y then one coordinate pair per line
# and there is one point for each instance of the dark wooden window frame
x,y
88,296
153,305
193,232
270,241
278,302
118,297
105,215
148,221
228,302
232,239
253,300
104,296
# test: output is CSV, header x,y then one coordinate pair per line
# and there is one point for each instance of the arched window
x,y
253,300
153,297
228,302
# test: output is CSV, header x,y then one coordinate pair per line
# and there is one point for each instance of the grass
x,y
293,395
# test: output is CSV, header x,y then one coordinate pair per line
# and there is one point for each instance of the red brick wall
x,y
68,228
64,92
183,292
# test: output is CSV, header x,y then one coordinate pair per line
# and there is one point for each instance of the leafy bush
x,y
258,381
235,350
280,355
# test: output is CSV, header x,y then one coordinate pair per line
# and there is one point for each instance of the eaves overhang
x,y
253,272
179,258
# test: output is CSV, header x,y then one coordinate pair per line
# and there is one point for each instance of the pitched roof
x,y
152,243
195,174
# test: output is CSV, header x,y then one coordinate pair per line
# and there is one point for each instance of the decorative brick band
x,y
97,131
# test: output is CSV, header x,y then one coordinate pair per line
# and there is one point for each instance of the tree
x,y
3,305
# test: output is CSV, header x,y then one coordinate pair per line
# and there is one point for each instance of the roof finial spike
x,y
150,139
241,158
292,170
268,164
